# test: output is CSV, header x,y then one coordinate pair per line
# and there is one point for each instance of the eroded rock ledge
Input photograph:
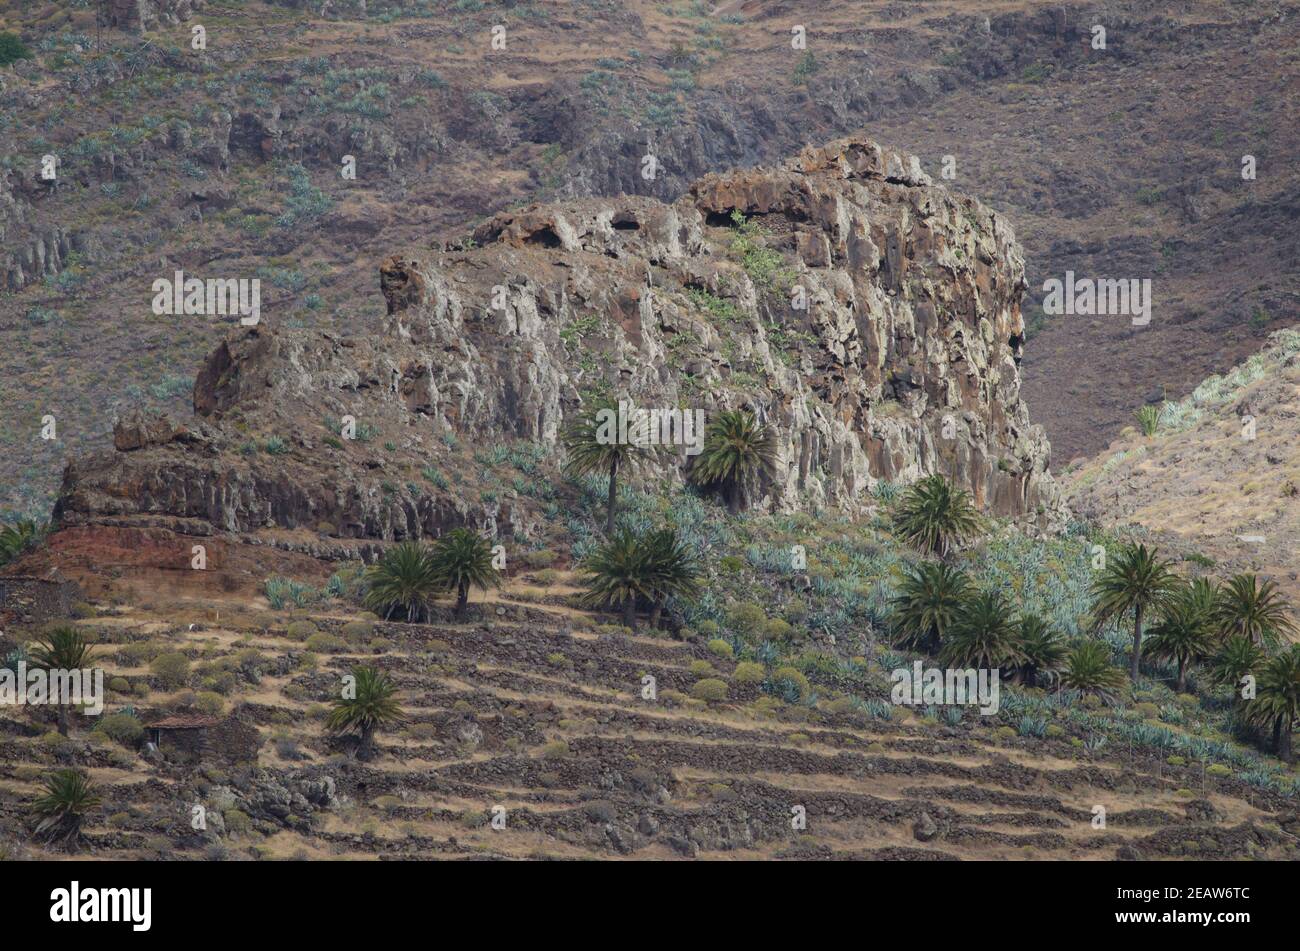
x,y
904,362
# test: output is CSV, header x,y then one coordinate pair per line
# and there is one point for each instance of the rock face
x,y
867,315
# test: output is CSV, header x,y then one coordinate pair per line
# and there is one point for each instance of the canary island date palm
x,y
1258,611
61,648
935,516
618,574
737,448
369,704
1088,670
18,538
1184,635
983,635
462,559
1135,581
593,443
1042,650
927,603
672,568
1277,700
1236,658
69,797
404,579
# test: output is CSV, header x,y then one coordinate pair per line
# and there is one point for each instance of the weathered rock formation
x,y
865,313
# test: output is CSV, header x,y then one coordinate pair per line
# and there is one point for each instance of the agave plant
x,y
1042,650
404,579
1257,611
1184,634
1277,702
1148,418
370,705
737,448
463,559
69,796
593,446
983,635
1088,670
927,603
936,516
62,648
1136,580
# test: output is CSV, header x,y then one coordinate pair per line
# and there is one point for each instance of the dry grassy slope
x,y
1206,488
1122,164
538,711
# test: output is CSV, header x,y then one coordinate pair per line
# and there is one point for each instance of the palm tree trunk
x,y
1137,644
462,598
63,720
364,748
629,613
656,610
1284,749
733,497
613,496
1182,675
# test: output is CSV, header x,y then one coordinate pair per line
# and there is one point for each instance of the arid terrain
x,y
824,228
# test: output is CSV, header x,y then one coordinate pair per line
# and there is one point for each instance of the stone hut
x,y
196,737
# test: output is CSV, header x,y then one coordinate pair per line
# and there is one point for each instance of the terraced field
x,y
533,711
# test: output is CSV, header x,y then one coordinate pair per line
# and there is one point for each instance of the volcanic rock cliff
x,y
902,362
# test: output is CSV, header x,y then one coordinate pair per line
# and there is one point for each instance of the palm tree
x,y
927,603
372,707
618,573
1136,580
404,578
1184,634
1043,650
18,538
62,648
1237,657
737,447
463,559
673,568
593,447
983,635
936,516
1278,701
1089,670
1259,612
69,796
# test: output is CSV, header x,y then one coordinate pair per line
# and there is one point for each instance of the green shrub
x,y
721,648
748,672
701,667
778,630
710,688
171,669
1218,769
357,630
793,677
237,821
555,750
300,630
122,727
119,685
708,628
744,618
210,703
12,49
322,643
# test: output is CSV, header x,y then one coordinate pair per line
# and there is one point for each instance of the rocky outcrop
x,y
143,15
867,315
